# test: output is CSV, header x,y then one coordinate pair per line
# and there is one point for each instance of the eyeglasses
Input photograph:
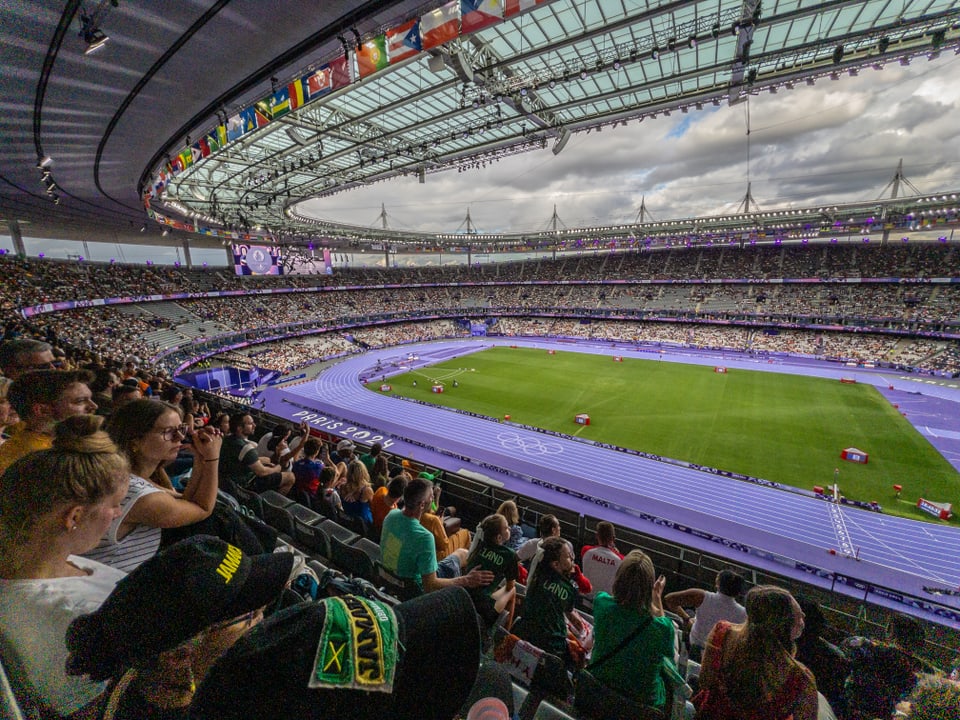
x,y
172,433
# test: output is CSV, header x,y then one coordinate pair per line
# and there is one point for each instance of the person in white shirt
x,y
711,607
55,505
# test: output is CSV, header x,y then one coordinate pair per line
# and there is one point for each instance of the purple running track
x,y
894,553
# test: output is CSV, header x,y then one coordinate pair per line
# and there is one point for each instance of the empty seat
x,y
276,499
303,531
304,513
276,511
353,558
311,536
249,499
335,530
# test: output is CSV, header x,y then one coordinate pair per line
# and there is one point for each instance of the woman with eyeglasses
x,y
151,433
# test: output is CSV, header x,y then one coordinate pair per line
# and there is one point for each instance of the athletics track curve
x,y
894,552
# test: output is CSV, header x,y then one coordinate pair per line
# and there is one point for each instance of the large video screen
x,y
257,260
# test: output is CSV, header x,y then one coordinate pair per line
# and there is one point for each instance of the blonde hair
x,y
633,583
357,478
509,510
83,467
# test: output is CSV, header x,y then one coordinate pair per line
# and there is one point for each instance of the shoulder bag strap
x,y
622,644
116,694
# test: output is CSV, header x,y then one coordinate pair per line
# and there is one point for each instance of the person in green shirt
x,y
633,613
492,554
550,602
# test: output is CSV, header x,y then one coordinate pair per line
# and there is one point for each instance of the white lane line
x,y
896,553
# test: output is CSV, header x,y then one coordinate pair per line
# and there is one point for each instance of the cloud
x,y
831,142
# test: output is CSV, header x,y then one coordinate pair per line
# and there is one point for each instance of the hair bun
x,y
82,434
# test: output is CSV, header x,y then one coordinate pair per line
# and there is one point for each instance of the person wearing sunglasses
x,y
151,433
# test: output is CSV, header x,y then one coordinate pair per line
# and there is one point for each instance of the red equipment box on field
x,y
851,454
940,510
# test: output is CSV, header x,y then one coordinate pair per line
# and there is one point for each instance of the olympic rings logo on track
x,y
529,445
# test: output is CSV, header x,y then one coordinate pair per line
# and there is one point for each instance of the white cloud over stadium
x,y
832,142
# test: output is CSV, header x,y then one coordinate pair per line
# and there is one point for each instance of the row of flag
x,y
190,226
406,40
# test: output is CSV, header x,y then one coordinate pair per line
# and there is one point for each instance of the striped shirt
x,y
138,545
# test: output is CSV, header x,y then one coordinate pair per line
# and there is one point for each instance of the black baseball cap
x,y
184,589
349,657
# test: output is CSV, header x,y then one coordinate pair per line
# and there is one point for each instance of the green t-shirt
x,y
544,620
407,548
502,562
369,461
635,669
498,559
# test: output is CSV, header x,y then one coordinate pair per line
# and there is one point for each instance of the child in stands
x,y
492,554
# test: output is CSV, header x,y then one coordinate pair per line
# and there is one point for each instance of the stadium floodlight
x,y
92,35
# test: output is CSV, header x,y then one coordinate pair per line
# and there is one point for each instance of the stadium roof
x,y
227,115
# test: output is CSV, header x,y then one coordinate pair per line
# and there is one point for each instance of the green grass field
x,y
785,428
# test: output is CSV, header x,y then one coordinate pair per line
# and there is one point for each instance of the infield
x,y
781,427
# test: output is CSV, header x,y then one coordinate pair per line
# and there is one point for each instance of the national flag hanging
x,y
235,127
279,103
248,118
263,112
515,7
318,83
176,165
255,117
478,14
340,73
440,25
186,155
403,41
297,96
372,55
200,149
217,138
